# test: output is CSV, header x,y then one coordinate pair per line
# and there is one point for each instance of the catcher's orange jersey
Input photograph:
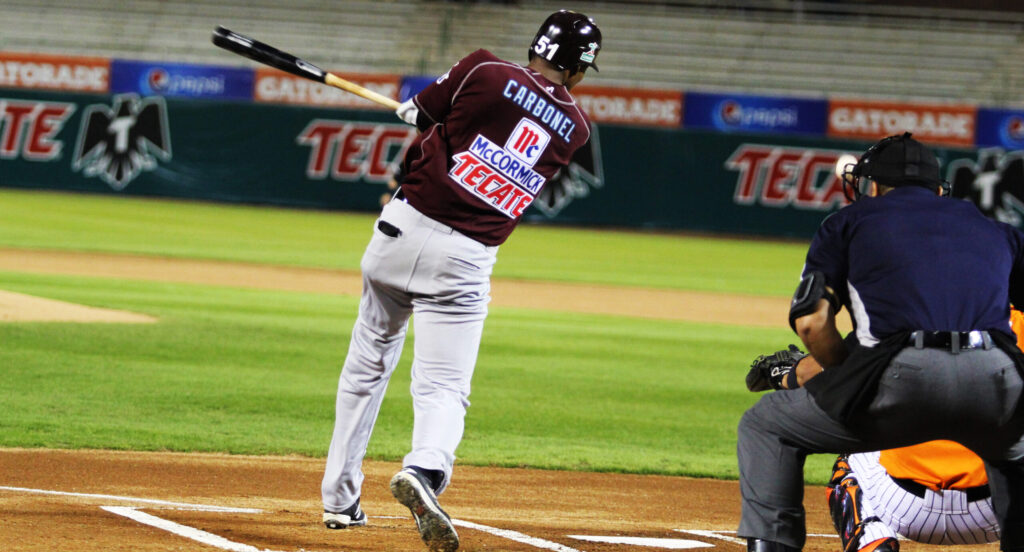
x,y
936,464
1017,323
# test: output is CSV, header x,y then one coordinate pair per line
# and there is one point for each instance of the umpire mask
x,y
896,161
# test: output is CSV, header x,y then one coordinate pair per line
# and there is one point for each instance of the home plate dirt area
x,y
93,501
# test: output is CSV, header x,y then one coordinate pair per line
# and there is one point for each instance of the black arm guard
x,y
812,288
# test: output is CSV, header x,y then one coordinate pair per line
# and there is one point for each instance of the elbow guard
x,y
812,288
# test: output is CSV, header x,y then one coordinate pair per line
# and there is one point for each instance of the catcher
x,y
934,493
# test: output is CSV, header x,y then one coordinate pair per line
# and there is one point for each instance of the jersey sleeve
x,y
435,101
828,255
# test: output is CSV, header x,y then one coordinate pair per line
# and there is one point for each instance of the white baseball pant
x,y
442,278
945,517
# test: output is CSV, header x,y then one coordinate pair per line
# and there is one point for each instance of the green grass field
x,y
250,371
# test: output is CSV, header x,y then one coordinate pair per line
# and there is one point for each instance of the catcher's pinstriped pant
x,y
946,517
442,278
923,395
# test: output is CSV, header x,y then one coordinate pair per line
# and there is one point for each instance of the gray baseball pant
x,y
923,395
442,278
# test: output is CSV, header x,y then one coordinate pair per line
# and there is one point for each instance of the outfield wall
x,y
659,158
672,178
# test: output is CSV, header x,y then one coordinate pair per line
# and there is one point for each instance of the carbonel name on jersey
x,y
496,176
560,123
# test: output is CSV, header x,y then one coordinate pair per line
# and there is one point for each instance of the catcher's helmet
x,y
896,161
569,40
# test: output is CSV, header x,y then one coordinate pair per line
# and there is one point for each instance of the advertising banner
x,y
278,87
629,106
949,125
412,85
1000,128
627,176
180,80
742,113
49,72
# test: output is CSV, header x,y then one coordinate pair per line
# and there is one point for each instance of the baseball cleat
x,y
435,526
352,516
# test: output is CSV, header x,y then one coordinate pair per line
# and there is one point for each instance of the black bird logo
x,y
995,183
118,143
583,174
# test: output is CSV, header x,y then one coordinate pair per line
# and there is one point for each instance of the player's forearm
x,y
819,334
806,369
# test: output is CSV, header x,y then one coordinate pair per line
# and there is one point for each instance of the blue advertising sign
x,y
741,113
1000,128
150,78
412,85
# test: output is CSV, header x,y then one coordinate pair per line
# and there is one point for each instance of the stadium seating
x,y
813,50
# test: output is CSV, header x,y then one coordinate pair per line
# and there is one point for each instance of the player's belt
x,y
980,492
952,341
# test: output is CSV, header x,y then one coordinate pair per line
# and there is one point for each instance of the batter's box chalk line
x,y
133,512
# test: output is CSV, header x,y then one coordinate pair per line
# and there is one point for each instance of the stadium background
x,y
717,122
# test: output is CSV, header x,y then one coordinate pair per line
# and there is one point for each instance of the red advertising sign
x,y
273,86
350,151
28,129
79,74
631,105
951,125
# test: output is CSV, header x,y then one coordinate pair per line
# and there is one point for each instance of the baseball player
x,y
935,492
928,282
492,133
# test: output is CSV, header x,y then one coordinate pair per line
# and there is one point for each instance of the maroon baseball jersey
x,y
500,132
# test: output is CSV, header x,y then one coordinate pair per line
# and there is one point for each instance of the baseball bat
x,y
268,55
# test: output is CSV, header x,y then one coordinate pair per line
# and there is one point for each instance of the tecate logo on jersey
x,y
486,183
506,163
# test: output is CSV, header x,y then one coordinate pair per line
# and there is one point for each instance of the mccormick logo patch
x,y
496,176
528,142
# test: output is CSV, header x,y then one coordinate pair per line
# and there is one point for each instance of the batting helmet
x,y
895,161
569,40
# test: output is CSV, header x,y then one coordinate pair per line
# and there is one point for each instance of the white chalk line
x,y
181,530
670,544
737,540
178,505
196,534
714,535
515,536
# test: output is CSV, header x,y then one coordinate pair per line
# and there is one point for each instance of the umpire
x,y
928,281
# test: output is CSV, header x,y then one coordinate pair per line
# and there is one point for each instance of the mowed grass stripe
x,y
255,372
334,240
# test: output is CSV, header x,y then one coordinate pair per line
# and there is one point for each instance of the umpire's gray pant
x,y
923,395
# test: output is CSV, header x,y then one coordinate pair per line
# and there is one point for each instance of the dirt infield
x,y
660,304
173,499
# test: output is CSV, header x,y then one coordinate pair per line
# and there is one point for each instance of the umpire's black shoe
x,y
761,545
352,516
413,489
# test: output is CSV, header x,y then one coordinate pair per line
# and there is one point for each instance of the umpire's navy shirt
x,y
911,260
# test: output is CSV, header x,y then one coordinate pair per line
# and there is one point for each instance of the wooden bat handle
x,y
338,82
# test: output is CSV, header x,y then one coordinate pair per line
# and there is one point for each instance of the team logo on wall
x,y
995,183
576,180
117,143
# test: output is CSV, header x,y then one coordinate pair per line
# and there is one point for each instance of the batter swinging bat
x,y
268,55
